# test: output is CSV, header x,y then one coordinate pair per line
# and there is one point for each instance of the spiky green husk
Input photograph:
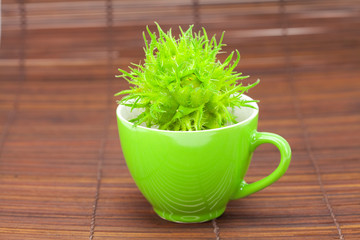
x,y
182,86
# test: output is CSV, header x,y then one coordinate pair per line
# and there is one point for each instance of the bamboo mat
x,y
62,173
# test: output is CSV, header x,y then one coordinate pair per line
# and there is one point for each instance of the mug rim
x,y
249,118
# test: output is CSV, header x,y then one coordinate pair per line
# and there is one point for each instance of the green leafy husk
x,y
182,86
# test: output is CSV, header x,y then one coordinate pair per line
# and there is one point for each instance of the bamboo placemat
x,y
62,173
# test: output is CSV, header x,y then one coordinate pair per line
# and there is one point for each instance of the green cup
x,y
191,176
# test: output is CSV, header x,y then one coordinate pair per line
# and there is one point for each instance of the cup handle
x,y
259,138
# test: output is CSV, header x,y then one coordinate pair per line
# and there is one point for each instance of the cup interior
x,y
244,114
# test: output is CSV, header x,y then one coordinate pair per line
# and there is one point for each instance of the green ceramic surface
x,y
191,176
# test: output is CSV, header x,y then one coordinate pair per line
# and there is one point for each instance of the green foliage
x,y
182,86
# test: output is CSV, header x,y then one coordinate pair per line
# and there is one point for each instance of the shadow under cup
x,y
190,176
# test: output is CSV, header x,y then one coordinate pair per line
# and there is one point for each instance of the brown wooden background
x,y
62,173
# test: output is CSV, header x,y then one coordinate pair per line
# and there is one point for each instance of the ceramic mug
x,y
191,176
